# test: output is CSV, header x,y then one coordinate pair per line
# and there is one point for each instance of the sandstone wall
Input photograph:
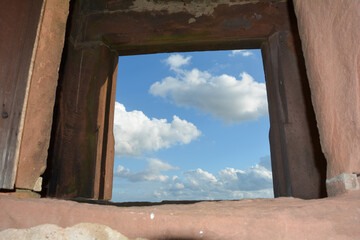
x,y
330,35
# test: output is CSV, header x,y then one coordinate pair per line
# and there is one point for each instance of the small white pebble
x,y
191,20
201,232
152,216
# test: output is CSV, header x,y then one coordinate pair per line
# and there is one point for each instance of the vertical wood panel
x,y
18,26
41,94
279,156
81,128
107,166
298,164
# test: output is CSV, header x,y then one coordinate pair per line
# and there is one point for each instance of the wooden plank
x,y
298,164
42,91
107,163
227,27
18,23
81,129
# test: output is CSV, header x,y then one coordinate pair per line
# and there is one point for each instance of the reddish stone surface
x,y
282,218
39,113
330,35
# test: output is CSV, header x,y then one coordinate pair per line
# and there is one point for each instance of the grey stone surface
x,y
86,231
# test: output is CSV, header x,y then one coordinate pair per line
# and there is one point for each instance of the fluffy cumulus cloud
x,y
224,96
243,53
175,61
152,172
135,133
229,183
198,184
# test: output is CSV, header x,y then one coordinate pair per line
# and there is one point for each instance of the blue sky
x,y
191,126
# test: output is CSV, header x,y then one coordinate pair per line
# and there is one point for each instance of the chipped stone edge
x,y
349,180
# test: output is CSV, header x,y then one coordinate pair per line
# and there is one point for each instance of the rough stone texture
x,y
81,231
281,218
39,113
343,183
330,35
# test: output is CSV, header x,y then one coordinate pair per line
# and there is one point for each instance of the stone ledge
x,y
281,218
21,193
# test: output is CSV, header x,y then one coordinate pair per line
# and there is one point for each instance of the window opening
x,y
191,126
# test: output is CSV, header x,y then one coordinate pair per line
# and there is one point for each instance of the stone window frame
x,y
81,154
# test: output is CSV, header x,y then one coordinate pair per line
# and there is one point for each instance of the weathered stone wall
x,y
330,35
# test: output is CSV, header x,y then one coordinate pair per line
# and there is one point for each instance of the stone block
x,y
342,183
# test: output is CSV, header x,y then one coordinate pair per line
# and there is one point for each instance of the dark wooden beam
x,y
18,23
299,166
229,26
80,138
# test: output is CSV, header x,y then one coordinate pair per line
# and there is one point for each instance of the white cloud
x,y
135,133
256,178
201,175
177,60
229,183
223,96
243,53
152,172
